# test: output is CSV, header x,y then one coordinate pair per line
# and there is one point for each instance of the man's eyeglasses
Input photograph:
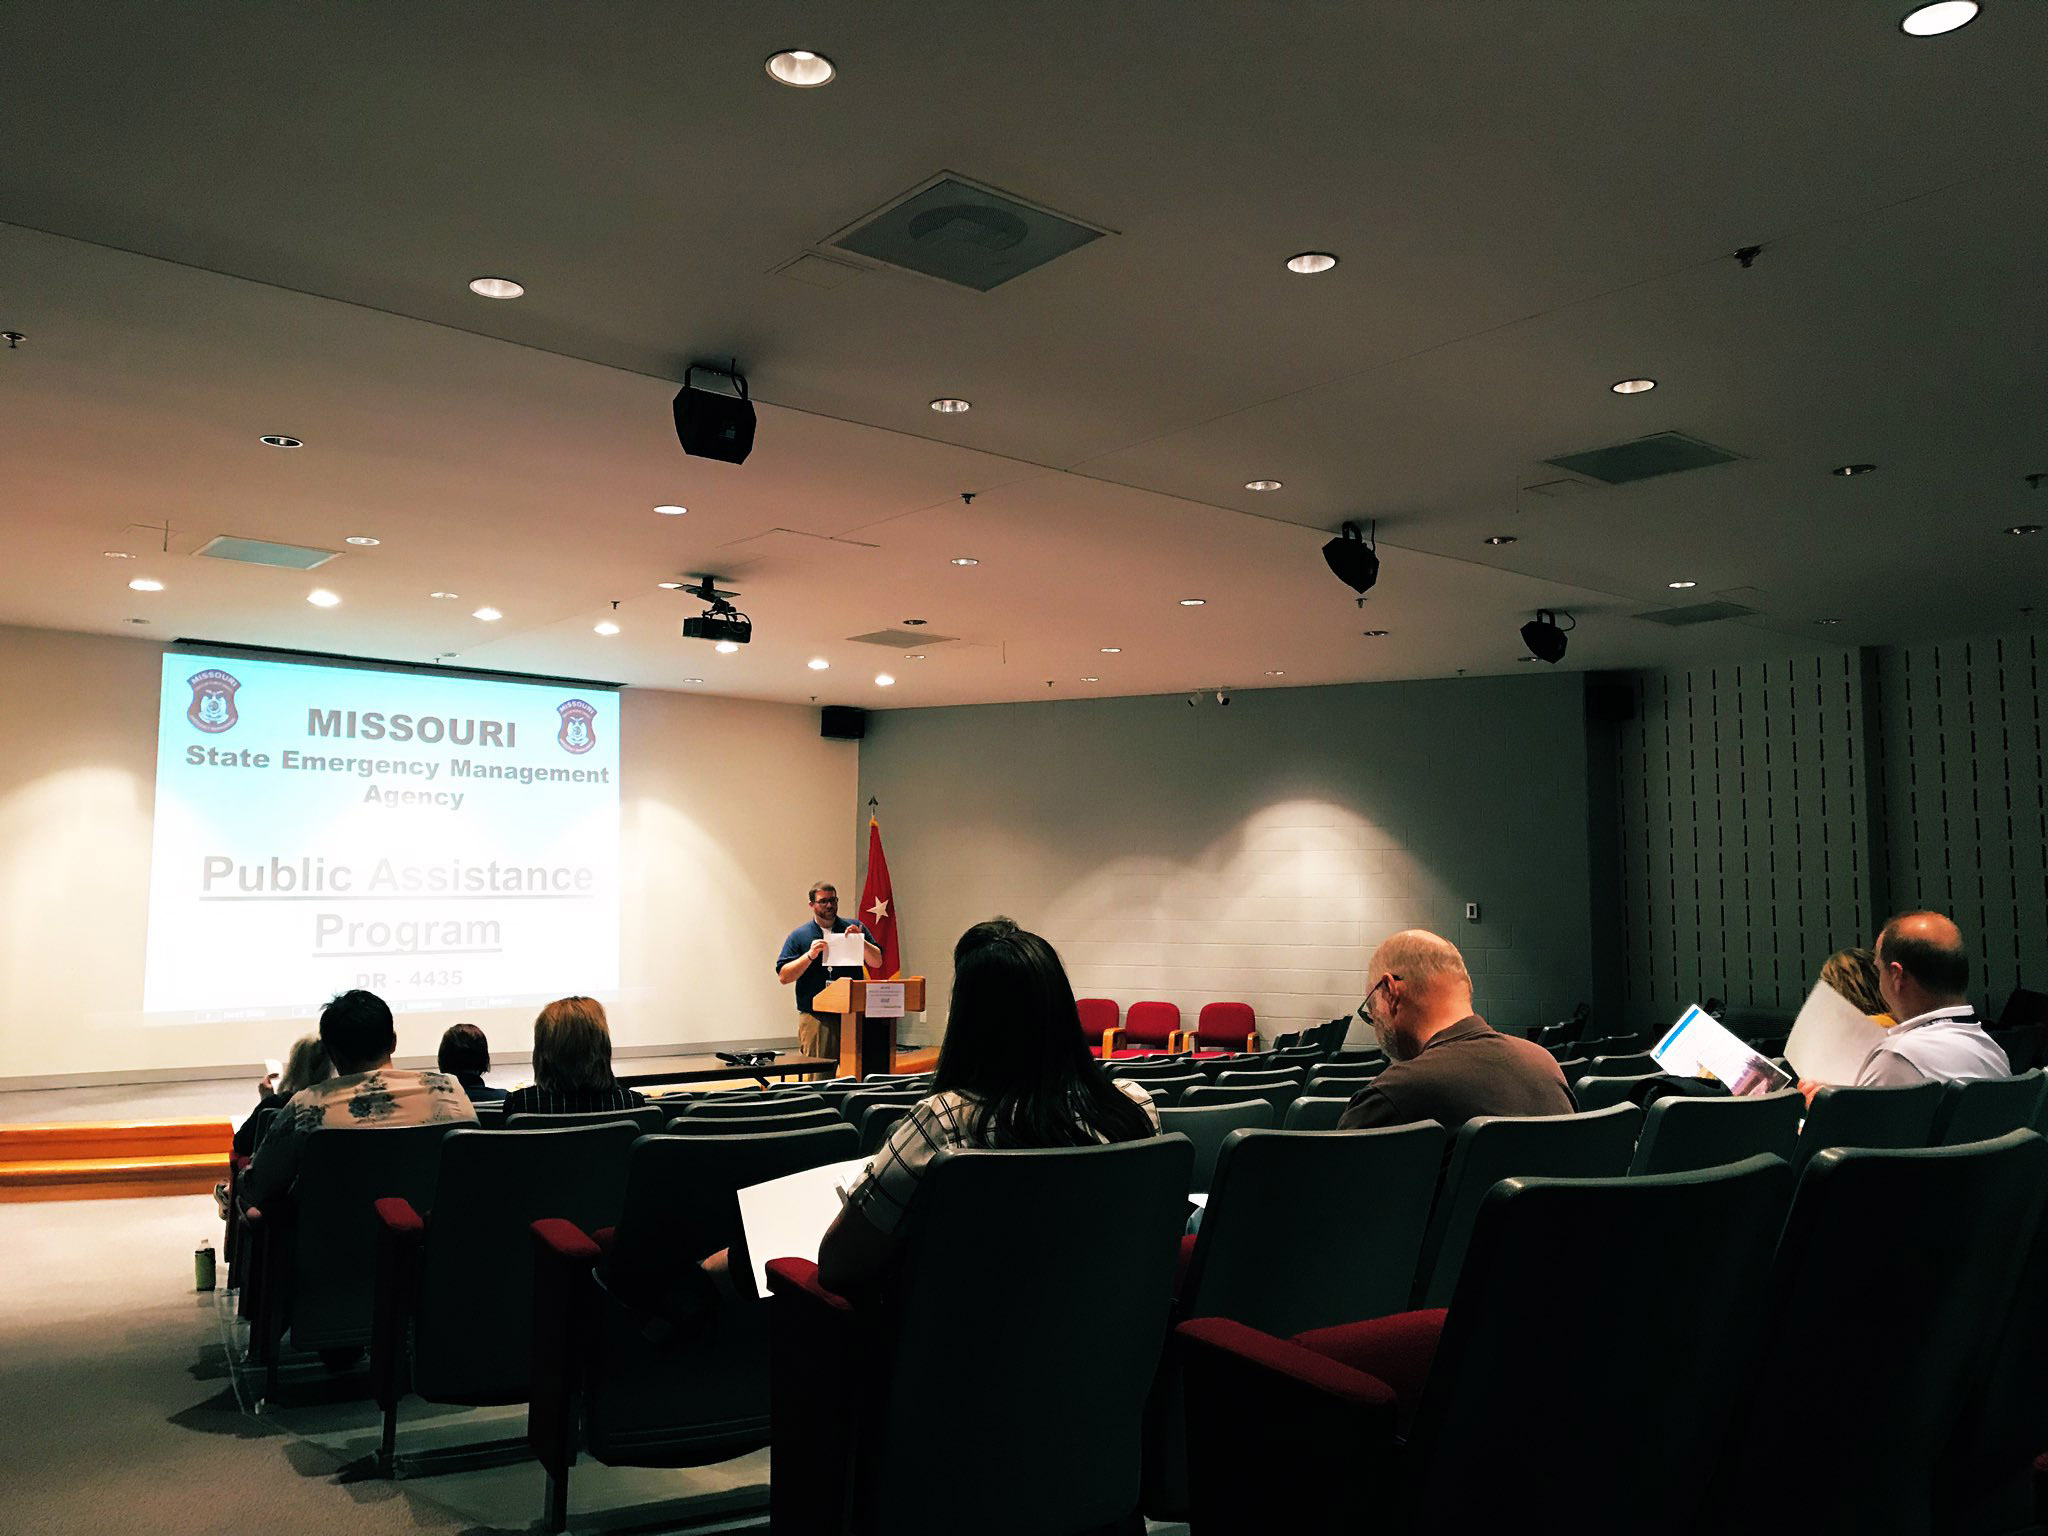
x,y
1364,1009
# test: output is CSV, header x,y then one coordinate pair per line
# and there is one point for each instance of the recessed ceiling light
x,y
1112,650
1633,386
444,594
693,679
1374,634
801,68
1526,658
138,621
1193,602
2024,528
1262,485
1680,586
670,586
916,623
884,680
1855,469
495,288
320,597
1500,538
1943,16
1310,262
1091,679
117,554
145,584
918,656
670,509
279,440
817,663
1827,621
488,615
951,405
726,647
605,627
1271,673
363,539
965,560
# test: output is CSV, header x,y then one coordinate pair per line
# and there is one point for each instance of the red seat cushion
x,y
1152,1024
1398,1350
1226,1022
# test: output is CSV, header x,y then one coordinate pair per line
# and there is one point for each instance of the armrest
x,y
401,1233
562,1261
1255,1402
1112,1040
815,1347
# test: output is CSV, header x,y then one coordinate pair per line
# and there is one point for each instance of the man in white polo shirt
x,y
1923,971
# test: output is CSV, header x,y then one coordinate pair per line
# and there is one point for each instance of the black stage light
x,y
1544,639
1355,562
710,425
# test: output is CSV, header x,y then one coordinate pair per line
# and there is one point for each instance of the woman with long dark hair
x,y
1013,1072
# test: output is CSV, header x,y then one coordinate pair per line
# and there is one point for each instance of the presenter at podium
x,y
801,965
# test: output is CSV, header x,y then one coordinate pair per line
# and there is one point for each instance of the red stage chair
x,y
1099,1019
1149,1027
1226,1027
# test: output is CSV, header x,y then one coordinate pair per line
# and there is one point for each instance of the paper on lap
x,y
786,1218
1699,1044
1831,1038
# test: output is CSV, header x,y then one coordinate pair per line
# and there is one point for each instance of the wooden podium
x,y
865,1045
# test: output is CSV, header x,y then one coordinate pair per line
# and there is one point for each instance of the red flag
x,y
878,910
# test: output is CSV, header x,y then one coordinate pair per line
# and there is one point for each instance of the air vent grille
x,y
1661,453
901,639
972,236
284,557
1697,613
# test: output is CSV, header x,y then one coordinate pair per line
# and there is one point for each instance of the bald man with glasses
x,y
1444,1062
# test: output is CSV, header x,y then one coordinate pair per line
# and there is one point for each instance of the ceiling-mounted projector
x,y
1354,562
711,425
720,621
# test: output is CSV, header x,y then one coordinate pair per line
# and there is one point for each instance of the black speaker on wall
x,y
842,722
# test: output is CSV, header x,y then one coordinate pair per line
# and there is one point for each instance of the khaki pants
x,y
817,1034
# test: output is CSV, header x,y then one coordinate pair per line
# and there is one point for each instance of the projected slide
x,y
445,841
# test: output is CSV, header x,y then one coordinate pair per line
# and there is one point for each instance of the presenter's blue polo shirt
x,y
815,980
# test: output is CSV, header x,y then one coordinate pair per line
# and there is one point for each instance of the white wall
x,y
1255,852
728,810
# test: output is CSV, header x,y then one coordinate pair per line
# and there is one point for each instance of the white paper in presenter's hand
x,y
786,1218
885,1000
1831,1039
843,949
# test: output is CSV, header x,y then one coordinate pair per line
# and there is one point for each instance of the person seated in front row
x,y
1853,973
1444,1062
572,1063
1013,1072
306,1065
465,1055
1923,974
368,1093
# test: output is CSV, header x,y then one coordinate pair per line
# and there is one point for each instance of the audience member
x,y
306,1065
1922,973
572,1063
1012,1072
1853,973
1444,1062
466,1056
368,1093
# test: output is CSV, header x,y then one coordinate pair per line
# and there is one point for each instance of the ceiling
x,y
219,222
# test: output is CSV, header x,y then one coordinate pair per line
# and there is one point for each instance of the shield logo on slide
x,y
577,734
212,708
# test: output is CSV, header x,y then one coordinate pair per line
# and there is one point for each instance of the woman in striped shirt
x,y
572,1063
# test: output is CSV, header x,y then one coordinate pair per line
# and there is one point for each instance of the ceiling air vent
x,y
1697,613
284,557
1661,453
961,233
900,639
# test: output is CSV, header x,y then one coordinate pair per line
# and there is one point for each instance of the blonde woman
x,y
572,1063
305,1065
1853,973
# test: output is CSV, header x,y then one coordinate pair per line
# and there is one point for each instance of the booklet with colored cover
x,y
1698,1045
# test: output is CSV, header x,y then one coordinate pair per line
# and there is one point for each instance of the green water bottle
x,y
202,1265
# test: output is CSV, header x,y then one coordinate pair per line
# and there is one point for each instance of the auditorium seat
x,y
1208,1126
1282,1088
315,1265
1278,1098
752,1125
1488,1148
1301,1231
1147,1026
1225,1027
1868,1117
854,1105
635,1354
1479,1419
1099,1019
1631,1064
1024,1253
462,1277
1680,1134
1895,1271
1315,1113
645,1118
1594,1091
780,1103
876,1124
1988,1107
1164,1088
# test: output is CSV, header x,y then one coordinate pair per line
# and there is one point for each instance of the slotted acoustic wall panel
x,y
1962,784
1740,796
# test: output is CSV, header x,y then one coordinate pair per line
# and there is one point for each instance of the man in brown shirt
x,y
1444,1062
